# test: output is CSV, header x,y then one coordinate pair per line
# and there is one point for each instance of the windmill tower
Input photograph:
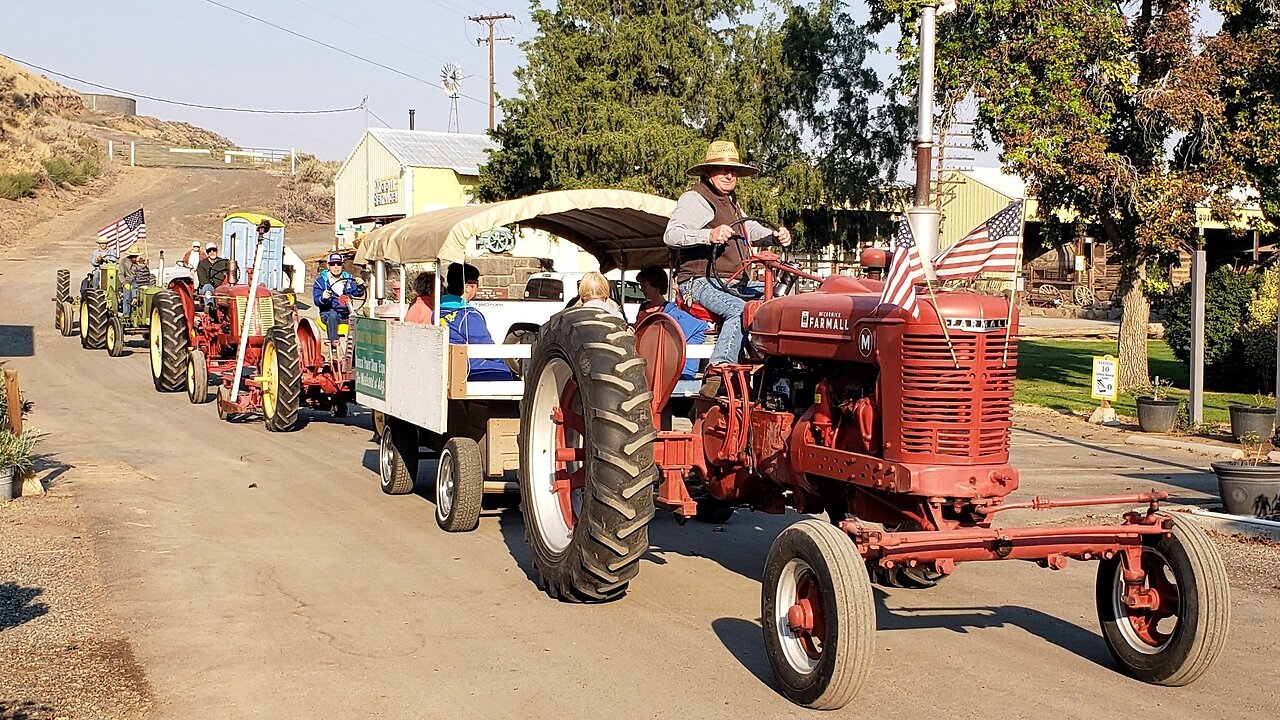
x,y
451,81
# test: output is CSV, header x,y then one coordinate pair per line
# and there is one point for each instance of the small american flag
x,y
991,248
123,233
900,285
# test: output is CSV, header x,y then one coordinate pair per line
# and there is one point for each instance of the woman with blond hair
x,y
593,291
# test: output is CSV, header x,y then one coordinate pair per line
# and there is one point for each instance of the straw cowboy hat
x,y
724,154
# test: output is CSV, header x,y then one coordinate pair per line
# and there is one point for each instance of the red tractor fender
x,y
309,351
661,342
186,292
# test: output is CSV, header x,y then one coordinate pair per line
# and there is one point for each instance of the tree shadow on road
x,y
744,638
17,606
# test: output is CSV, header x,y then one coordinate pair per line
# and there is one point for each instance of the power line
x,y
179,102
375,117
335,48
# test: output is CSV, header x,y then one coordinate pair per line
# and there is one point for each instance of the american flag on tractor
x,y
993,247
123,233
906,273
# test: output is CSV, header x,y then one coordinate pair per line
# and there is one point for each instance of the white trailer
x,y
418,381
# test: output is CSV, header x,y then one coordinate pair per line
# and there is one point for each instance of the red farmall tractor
x,y
271,368
896,427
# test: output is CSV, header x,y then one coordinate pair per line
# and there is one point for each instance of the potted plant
x,y
1258,418
1157,413
1250,486
15,460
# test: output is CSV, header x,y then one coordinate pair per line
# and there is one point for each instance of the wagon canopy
x,y
621,228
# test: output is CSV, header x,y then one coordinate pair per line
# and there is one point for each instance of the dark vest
x,y
692,260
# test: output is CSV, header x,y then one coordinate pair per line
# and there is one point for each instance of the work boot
x,y
711,385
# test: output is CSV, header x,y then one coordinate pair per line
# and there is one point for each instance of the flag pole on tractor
x,y
1013,291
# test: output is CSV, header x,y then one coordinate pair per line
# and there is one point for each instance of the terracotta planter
x,y
1249,490
1157,416
1246,419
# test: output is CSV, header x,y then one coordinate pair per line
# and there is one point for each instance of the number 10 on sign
x,y
1105,370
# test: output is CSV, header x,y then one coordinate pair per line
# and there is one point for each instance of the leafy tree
x,y
1107,109
627,94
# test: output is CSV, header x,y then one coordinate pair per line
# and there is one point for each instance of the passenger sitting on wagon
x,y
423,307
466,324
654,283
332,292
593,291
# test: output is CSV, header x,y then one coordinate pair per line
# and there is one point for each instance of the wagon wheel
x,y
1175,640
1049,292
1083,296
818,615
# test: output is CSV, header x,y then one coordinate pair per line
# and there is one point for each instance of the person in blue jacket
x,y
466,324
332,293
654,284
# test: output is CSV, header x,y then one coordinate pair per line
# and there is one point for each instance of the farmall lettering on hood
x,y
823,320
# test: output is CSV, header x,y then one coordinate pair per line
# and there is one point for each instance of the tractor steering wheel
x,y
738,288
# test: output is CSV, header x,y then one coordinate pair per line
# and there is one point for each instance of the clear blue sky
x,y
194,51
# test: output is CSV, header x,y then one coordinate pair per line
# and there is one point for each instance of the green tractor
x,y
105,319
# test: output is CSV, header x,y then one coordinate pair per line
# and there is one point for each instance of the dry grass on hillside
x,y
308,195
41,144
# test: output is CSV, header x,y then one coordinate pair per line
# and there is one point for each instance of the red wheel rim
x,y
805,616
1145,622
571,431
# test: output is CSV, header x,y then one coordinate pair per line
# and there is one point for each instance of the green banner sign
x,y
371,357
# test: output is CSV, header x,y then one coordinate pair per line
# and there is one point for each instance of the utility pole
x,y
491,20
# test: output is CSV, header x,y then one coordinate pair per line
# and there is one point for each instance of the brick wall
x,y
503,277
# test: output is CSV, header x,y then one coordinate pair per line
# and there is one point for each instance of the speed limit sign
x,y
1105,371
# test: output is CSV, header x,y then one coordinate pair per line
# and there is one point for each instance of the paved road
x,y
264,575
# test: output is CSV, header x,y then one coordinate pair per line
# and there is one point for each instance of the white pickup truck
x,y
545,294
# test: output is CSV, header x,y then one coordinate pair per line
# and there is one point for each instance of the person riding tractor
x,y
701,231
332,293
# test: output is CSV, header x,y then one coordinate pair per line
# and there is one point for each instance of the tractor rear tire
x,y
1190,575
168,340
66,318
198,378
586,538
398,454
93,319
459,485
282,315
818,615
282,402
62,291
115,336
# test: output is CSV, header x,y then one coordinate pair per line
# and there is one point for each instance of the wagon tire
x,y
586,519
167,339
1167,655
398,455
818,615
459,485
281,373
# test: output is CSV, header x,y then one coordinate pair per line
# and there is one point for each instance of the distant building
x,y
392,174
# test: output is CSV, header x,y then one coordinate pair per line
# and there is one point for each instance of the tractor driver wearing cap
x,y
211,272
332,292
701,226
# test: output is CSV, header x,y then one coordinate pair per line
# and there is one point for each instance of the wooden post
x,y
14,396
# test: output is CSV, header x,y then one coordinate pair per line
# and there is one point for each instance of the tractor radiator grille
x,y
262,317
965,412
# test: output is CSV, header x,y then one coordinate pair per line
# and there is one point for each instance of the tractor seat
x,y
343,327
690,306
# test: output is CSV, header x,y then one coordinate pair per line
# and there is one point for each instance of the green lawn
x,y
1056,374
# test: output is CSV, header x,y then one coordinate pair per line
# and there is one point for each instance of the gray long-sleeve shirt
x,y
687,225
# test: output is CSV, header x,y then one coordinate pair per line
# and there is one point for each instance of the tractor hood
x,y
620,228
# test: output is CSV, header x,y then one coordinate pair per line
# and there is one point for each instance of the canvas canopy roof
x,y
620,228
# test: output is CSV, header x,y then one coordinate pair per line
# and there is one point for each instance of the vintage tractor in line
x,y
896,426
272,368
104,318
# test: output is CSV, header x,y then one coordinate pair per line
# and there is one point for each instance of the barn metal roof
x,y
464,154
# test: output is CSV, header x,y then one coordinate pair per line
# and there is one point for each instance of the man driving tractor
x,y
708,235
332,293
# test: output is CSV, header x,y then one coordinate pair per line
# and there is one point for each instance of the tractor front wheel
x,y
1179,636
93,319
62,291
281,374
818,615
197,378
114,336
398,457
167,338
459,485
586,457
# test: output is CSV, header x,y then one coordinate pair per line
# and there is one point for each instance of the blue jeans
x,y
331,319
128,298
728,307
206,292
